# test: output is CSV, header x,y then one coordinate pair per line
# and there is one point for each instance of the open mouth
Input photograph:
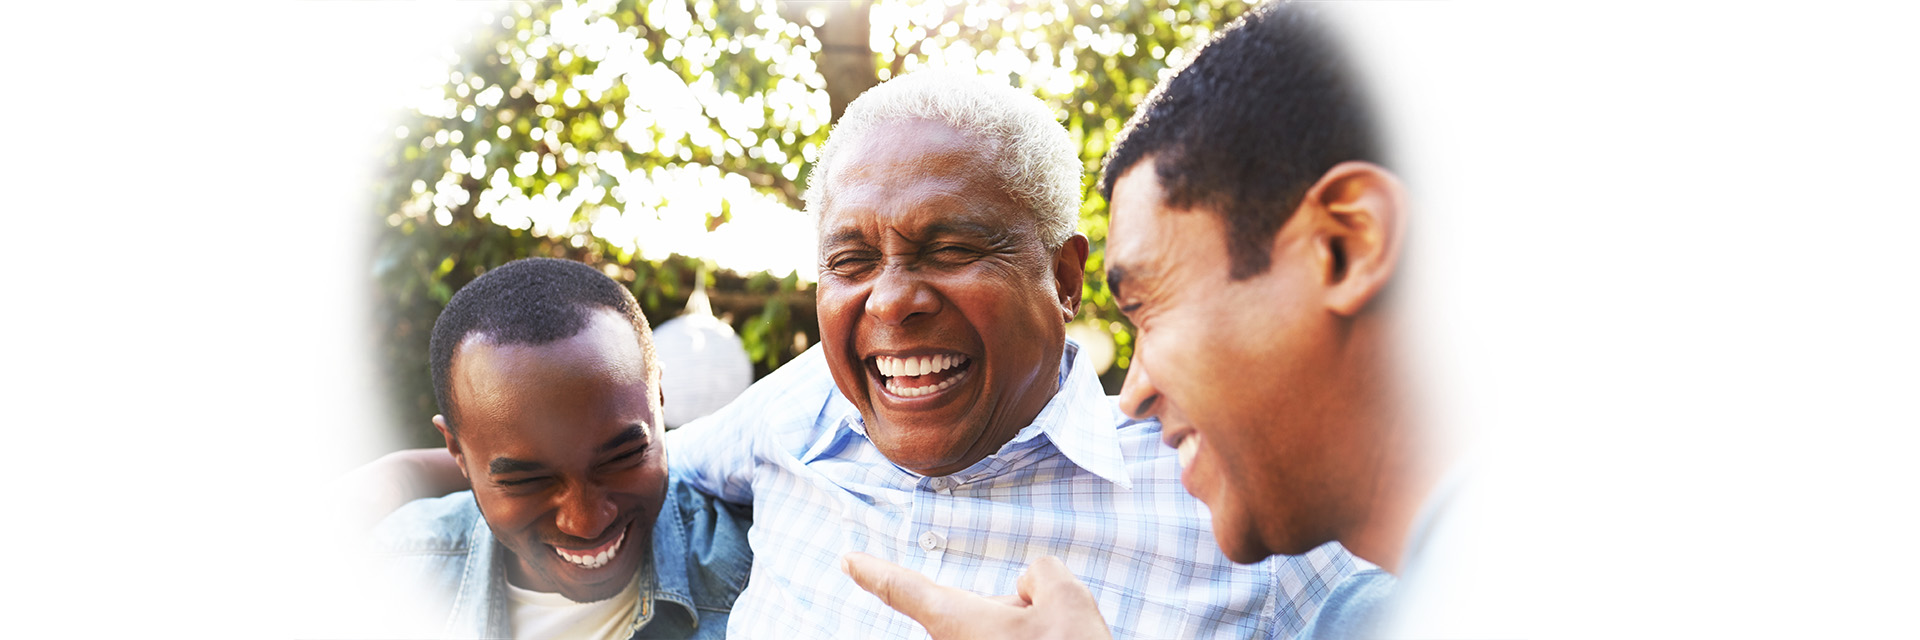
x,y
1184,440
919,376
593,558
1188,447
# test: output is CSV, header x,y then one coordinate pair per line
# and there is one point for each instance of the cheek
x,y
510,513
1003,311
835,308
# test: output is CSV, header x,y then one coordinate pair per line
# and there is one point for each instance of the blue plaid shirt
x,y
1083,482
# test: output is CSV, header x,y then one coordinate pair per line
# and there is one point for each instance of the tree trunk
x,y
846,58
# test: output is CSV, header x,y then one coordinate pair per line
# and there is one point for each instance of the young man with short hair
x,y
550,404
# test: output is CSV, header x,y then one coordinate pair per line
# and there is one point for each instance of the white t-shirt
x,y
538,615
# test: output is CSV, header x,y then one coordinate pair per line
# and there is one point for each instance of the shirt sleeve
x,y
1354,609
716,454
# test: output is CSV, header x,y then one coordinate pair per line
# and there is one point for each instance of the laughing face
x,y
1238,372
942,313
562,444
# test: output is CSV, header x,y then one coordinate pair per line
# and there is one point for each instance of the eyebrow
x,y
964,228
843,236
503,466
632,433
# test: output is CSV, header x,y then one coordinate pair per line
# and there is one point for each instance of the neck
x,y
1403,463
1404,479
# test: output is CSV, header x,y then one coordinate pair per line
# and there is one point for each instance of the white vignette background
x,y
1666,253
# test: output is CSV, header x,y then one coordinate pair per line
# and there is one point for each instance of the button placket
x,y
926,520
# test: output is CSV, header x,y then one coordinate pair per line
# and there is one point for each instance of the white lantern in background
x,y
704,365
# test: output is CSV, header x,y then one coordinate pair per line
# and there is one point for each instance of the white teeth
x,y
1189,447
890,366
898,389
594,561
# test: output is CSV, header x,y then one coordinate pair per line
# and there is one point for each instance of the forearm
x,y
368,493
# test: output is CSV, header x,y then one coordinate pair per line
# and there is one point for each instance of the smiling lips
x,y
1189,447
596,557
917,376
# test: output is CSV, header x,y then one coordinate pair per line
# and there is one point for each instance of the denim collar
x,y
1078,420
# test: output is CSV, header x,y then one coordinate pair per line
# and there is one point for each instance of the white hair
x,y
1029,150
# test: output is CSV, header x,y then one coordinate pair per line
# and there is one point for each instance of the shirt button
x,y
931,541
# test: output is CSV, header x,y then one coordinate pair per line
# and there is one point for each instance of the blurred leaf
x,y
612,96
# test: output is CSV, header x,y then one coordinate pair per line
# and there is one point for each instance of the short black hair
x,y
531,301
1259,115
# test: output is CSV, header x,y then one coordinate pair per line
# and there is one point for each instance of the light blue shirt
x,y
1355,608
1083,482
1365,605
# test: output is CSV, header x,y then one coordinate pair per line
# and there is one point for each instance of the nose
x,y
899,294
1138,397
585,512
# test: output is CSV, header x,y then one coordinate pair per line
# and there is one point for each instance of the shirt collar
x,y
1078,420
668,571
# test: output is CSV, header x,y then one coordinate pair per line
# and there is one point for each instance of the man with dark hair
x,y
945,421
550,405
1253,239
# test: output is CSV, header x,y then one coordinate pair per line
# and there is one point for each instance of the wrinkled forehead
x,y
918,179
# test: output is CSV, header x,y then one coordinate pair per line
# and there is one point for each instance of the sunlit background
x,y
669,142
1668,260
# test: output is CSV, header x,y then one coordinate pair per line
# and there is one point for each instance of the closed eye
x,y
849,261
628,458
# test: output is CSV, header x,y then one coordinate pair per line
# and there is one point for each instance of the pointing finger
x,y
906,591
1048,580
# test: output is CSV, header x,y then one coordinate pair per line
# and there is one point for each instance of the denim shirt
x,y
700,564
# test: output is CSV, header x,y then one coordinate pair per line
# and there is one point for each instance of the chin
x,y
917,461
1238,540
895,442
1245,552
584,593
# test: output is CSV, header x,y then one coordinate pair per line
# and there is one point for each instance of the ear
x,y
1359,210
1069,274
453,445
660,394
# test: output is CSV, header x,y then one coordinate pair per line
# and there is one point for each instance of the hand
x,y
1051,602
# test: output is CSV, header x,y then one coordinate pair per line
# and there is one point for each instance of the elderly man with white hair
x,y
945,422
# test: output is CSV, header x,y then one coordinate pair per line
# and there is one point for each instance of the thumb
x,y
1048,580
906,591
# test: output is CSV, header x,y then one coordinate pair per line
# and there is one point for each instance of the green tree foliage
x,y
576,129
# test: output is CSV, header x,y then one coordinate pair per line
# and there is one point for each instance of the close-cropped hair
x,y
1258,116
532,301
1030,153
